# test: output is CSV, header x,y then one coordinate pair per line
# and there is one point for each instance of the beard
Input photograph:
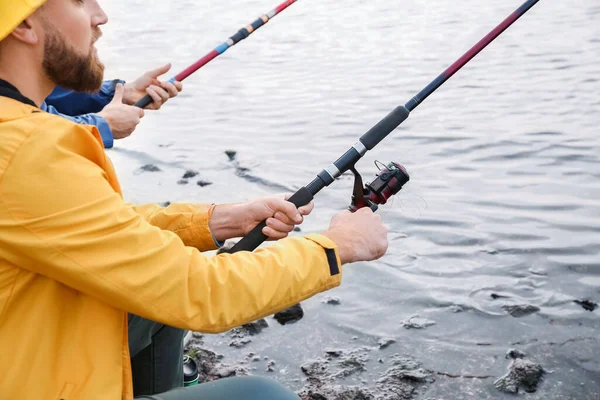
x,y
68,68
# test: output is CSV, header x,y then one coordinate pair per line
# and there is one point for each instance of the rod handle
x,y
254,239
384,127
147,100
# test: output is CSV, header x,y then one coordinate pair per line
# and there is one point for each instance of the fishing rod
x,y
392,177
222,48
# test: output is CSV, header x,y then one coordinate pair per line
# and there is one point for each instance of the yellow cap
x,y
13,12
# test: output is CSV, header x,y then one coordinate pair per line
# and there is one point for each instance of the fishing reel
x,y
388,181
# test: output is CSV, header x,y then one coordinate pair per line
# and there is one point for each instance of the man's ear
x,y
27,31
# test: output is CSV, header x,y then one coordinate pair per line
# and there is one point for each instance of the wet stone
x,y
514,354
252,328
521,310
150,168
401,382
290,315
586,304
385,342
210,367
333,300
522,374
189,174
239,343
203,183
231,154
334,353
336,392
416,322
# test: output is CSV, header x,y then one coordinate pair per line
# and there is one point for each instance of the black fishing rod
x,y
390,179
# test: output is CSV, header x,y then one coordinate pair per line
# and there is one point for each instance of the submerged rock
x,y
333,300
189,174
254,328
231,154
514,354
416,322
401,382
586,304
270,366
522,374
456,309
150,168
334,353
182,182
250,329
385,342
336,392
290,315
239,343
210,366
521,310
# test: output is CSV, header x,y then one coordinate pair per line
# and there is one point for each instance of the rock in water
x,y
189,174
586,304
182,182
252,328
522,373
514,354
385,342
415,322
231,154
150,168
292,314
333,300
204,183
210,366
336,393
521,310
239,343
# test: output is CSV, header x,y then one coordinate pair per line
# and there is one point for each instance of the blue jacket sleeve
x,y
70,102
87,119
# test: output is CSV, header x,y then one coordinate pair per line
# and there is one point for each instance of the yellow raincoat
x,y
75,259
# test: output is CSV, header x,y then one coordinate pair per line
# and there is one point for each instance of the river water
x,y
504,162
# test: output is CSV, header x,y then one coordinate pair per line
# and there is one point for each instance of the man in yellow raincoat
x,y
76,260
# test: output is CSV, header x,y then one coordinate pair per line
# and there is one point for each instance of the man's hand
x,y
359,236
148,83
236,220
281,215
121,118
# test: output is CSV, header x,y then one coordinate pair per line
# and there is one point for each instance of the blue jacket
x,y
82,108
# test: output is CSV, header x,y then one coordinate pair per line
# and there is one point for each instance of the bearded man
x,y
76,261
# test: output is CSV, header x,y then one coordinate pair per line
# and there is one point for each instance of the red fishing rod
x,y
391,178
222,48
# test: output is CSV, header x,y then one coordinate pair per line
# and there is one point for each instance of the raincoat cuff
x,y
333,258
197,234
